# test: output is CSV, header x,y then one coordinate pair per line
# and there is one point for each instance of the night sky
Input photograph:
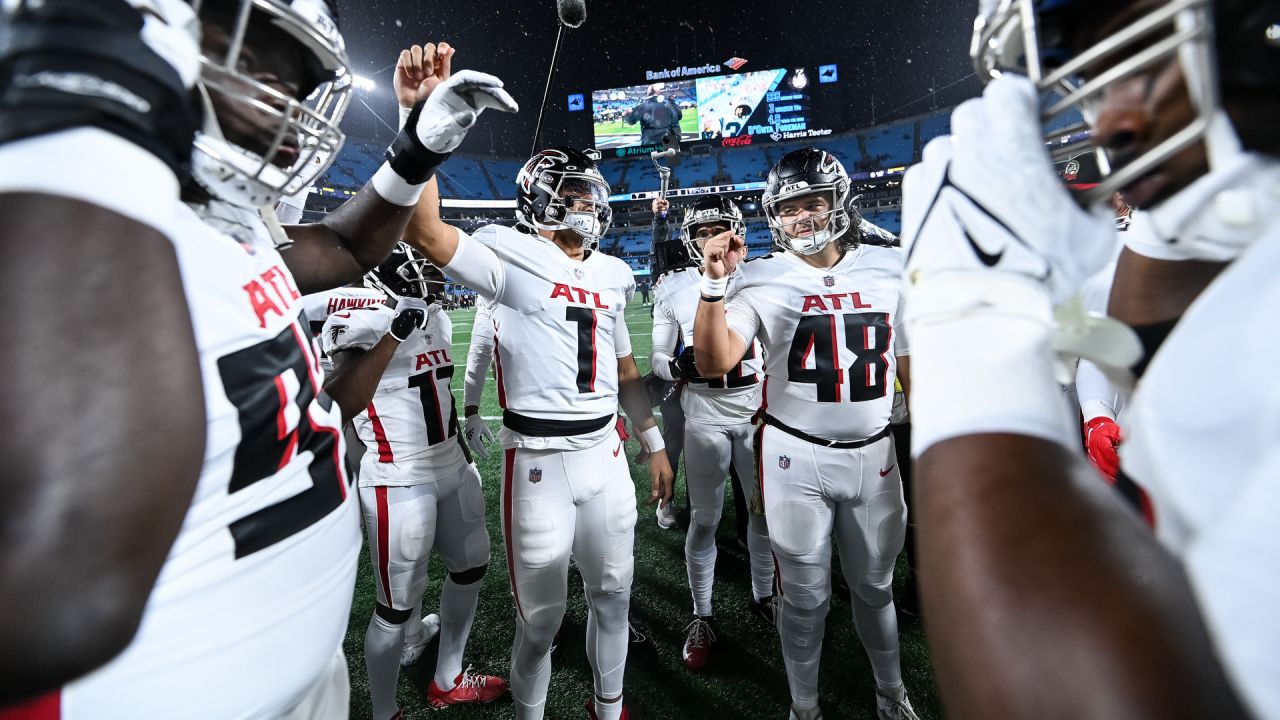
x,y
890,52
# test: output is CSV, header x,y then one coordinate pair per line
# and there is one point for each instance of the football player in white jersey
x,y
563,360
271,532
1075,605
827,312
80,452
418,488
718,430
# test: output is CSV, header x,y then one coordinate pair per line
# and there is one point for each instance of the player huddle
x,y
190,488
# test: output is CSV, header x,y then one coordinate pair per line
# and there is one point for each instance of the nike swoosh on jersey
x,y
885,472
617,450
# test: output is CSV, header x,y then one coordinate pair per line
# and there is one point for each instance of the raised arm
x,y
717,348
441,108
103,404
1030,567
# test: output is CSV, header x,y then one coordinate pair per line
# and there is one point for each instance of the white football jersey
x,y
411,425
830,339
1203,439
727,400
252,603
319,306
557,324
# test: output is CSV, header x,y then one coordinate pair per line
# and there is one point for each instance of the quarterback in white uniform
x,y
827,313
563,361
717,435
418,488
1076,605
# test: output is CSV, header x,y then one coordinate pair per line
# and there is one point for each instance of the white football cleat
x,y
666,516
413,648
889,707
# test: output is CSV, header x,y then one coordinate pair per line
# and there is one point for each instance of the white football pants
x,y
709,452
809,492
556,503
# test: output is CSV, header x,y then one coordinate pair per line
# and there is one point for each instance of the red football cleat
x,y
591,709
697,643
467,688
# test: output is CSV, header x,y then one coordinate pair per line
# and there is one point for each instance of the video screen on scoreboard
x,y
643,114
734,108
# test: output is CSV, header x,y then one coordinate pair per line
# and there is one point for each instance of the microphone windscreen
x,y
572,12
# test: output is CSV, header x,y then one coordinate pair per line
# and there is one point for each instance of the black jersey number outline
x,y
273,386
866,335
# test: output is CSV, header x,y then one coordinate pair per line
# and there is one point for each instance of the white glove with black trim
x,y
985,201
994,242
453,107
478,435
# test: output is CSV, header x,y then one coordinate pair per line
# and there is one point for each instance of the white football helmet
x,y
306,129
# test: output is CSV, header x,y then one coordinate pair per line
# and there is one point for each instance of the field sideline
x,y
745,678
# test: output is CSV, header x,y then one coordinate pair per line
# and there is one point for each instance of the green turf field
x,y
688,124
745,678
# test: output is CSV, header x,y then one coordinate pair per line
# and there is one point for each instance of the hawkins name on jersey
x,y
411,425
558,328
319,306
830,337
731,399
252,603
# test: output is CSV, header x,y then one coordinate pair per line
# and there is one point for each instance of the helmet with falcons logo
x,y
275,82
562,189
801,173
407,273
710,210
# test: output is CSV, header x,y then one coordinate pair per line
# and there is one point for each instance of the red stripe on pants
x,y
384,544
507,526
380,435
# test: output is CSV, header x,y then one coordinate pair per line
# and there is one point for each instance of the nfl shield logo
x,y
829,281
784,462
535,475
577,273
428,339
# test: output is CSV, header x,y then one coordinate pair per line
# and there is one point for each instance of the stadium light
x,y
363,83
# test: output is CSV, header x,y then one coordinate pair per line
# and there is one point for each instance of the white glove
x,y
994,241
478,436
985,202
452,108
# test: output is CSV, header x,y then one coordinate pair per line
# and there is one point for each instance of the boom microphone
x,y
572,12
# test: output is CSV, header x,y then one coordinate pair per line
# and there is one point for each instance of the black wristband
x,y
408,157
712,299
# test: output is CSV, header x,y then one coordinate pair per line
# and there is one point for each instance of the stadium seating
x,y
474,177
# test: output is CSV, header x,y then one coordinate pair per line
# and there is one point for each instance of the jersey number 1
x,y
867,337
585,318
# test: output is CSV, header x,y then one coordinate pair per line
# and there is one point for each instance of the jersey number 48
x,y
815,355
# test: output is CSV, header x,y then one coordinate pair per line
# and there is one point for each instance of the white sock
x,y
801,632
701,566
457,612
413,626
761,557
878,630
608,711
608,638
382,643
530,670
